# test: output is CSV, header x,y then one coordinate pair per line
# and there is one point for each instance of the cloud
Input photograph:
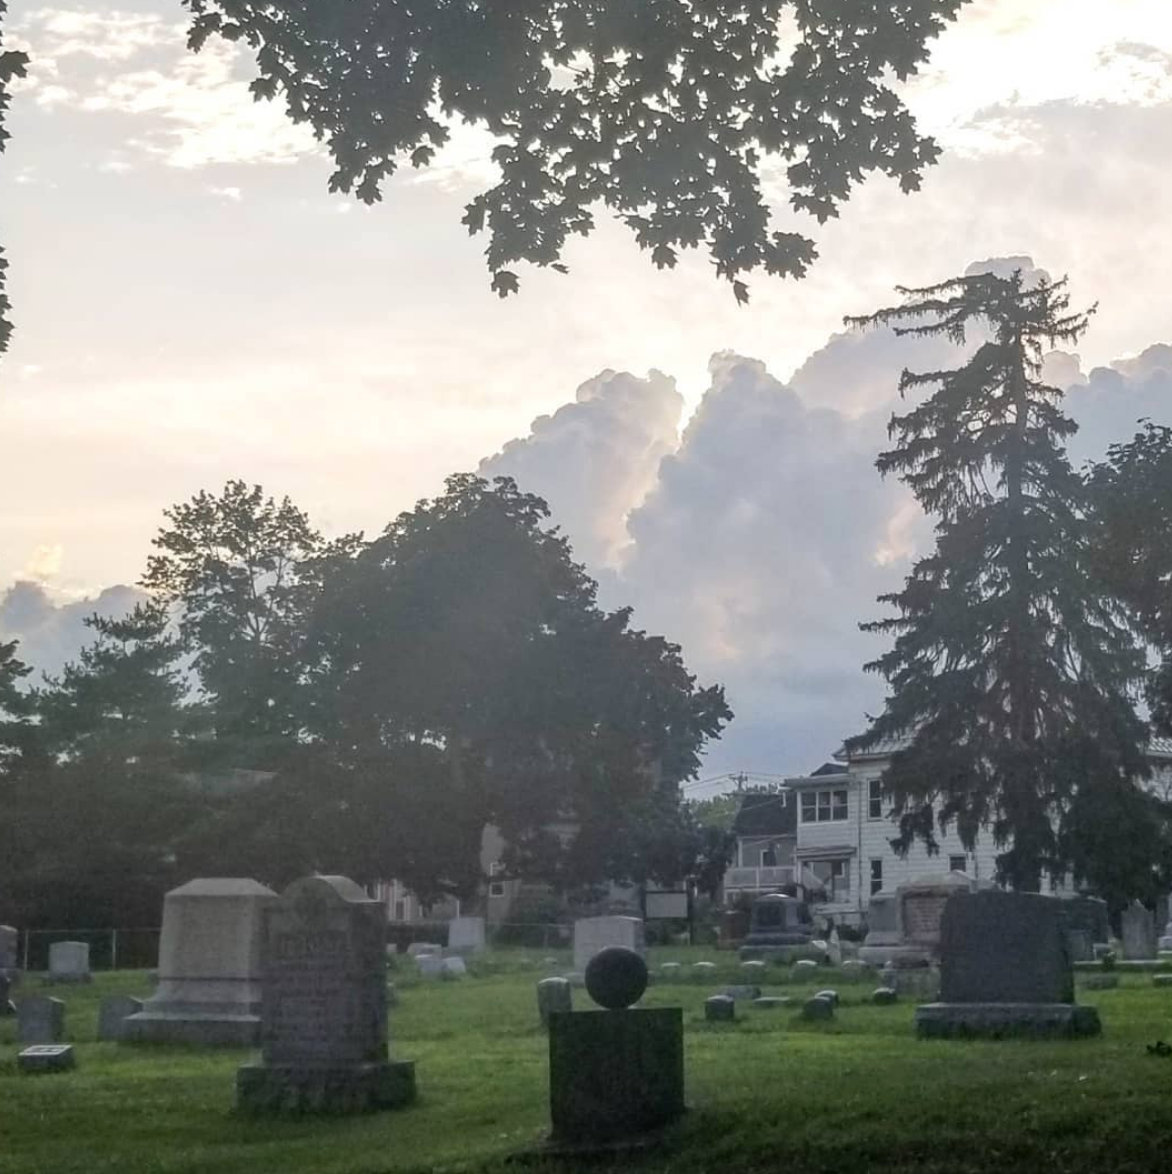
x,y
52,632
610,439
190,110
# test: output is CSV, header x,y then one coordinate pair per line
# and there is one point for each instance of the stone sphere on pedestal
x,y
616,978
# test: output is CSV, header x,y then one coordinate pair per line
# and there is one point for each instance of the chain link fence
x,y
110,949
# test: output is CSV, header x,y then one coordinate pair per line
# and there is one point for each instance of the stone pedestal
x,y
553,994
1005,1020
46,1058
324,1006
209,966
1005,971
615,1074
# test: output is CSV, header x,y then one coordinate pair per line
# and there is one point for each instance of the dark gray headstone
x,y
720,1009
884,996
614,1075
818,1008
40,1020
46,1058
553,994
1089,915
1079,945
778,920
324,1005
831,995
1002,947
113,1013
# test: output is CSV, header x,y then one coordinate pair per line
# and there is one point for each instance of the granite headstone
x,y
1139,933
324,1006
40,1020
592,935
69,962
113,1012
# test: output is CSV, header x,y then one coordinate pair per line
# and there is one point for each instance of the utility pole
x,y
741,779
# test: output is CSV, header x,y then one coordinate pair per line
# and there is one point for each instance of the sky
x,y
192,305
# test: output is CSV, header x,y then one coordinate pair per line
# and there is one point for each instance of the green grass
x,y
768,1093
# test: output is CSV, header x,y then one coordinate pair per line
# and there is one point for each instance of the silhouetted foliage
x,y
1131,492
12,65
1011,670
663,111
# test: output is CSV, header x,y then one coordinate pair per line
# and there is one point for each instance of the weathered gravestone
x,y
46,1058
1005,970
616,1073
69,962
553,994
818,1008
209,966
113,1013
1139,933
1087,925
6,1006
324,1006
9,944
466,934
720,1009
40,1020
777,924
921,910
592,935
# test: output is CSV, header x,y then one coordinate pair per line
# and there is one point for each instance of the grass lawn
x,y
767,1093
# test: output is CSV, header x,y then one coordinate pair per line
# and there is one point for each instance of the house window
x,y
876,876
835,878
824,806
769,857
875,799
400,910
958,864
496,888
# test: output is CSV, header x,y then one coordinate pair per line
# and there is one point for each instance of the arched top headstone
x,y
222,886
335,889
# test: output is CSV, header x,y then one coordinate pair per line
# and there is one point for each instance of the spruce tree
x,y
1011,673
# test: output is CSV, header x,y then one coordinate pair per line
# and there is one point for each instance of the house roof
x,y
1158,747
767,815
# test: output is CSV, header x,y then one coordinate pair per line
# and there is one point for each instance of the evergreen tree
x,y
1131,492
1011,671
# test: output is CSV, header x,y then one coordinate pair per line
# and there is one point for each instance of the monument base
x,y
1001,1020
343,1088
180,1026
900,956
615,1074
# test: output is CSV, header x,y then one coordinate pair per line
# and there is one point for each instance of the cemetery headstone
x,y
1005,970
616,1073
209,966
467,934
1162,980
417,949
113,1012
720,1009
553,994
40,1020
6,1006
834,948
454,968
884,996
921,909
46,1058
754,967
703,970
324,1006
69,962
1139,933
592,935
831,995
9,945
430,965
777,924
804,970
670,970
1089,916
818,1008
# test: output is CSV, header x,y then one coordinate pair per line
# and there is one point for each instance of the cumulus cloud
x,y
51,631
594,460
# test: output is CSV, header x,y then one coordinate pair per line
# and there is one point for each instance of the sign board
x,y
667,904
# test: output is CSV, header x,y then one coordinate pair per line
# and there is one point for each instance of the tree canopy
x,y
664,111
1012,670
12,65
1131,492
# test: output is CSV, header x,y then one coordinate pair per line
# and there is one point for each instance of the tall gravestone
x,y
921,911
884,940
616,1073
1005,970
40,1020
209,966
1139,933
324,1006
592,935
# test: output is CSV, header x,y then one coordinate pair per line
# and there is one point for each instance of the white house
x,y
844,829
